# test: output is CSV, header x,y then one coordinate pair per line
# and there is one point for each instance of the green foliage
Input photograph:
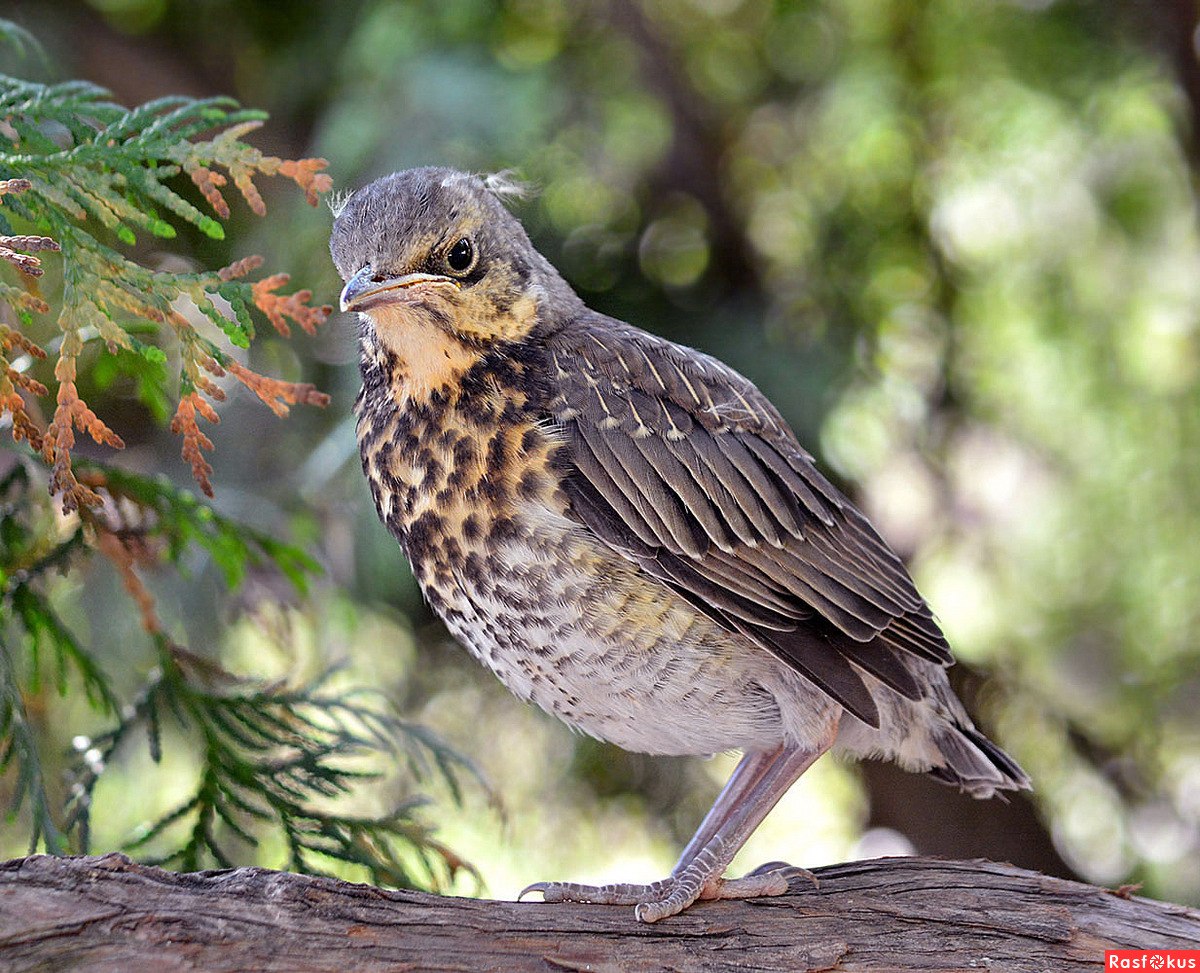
x,y
175,516
269,755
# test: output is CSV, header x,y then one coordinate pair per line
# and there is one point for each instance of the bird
x,y
627,532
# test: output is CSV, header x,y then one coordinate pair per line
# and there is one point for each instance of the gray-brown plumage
x,y
626,531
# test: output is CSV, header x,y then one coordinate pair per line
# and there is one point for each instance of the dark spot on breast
x,y
423,536
492,487
478,574
473,567
530,485
432,466
503,529
497,454
479,411
464,451
530,439
470,527
390,360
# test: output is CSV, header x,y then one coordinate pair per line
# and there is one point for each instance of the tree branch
x,y
108,914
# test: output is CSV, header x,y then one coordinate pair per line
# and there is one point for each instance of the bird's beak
x,y
363,292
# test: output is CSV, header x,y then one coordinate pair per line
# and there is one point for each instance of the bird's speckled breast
x,y
470,485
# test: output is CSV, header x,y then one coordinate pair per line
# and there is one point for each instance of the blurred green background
x,y
955,241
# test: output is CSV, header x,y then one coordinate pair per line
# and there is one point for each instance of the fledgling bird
x,y
626,531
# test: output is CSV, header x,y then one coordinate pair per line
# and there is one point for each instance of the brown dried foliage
x,y
194,441
25,301
209,183
24,426
240,268
244,180
295,306
11,247
10,338
72,413
307,174
276,393
14,186
244,163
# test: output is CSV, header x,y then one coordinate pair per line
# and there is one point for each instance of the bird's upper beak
x,y
363,292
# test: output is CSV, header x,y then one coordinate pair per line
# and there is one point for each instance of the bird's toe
x,y
621,893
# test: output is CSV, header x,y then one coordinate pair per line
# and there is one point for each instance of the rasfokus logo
x,y
1152,959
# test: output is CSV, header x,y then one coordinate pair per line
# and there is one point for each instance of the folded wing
x,y
685,468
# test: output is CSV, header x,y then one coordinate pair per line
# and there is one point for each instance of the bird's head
x,y
432,257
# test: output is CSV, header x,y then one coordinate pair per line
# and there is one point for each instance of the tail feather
x,y
975,764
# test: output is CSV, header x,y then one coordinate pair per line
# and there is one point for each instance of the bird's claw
x,y
542,887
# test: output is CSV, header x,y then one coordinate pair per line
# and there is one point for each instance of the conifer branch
x,y
109,176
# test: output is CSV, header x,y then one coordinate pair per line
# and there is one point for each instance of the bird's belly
x,y
581,633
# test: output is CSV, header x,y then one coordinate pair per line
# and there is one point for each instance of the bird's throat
x,y
417,352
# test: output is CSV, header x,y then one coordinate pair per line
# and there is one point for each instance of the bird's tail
x,y
974,764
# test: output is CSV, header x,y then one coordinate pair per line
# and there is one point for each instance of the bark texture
x,y
109,914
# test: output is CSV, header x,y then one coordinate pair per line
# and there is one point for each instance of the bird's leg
x,y
745,776
755,787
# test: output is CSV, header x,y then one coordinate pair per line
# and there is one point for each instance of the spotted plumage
x,y
625,530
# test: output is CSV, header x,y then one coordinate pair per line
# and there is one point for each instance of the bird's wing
x,y
685,468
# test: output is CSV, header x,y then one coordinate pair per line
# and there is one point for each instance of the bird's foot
x,y
670,896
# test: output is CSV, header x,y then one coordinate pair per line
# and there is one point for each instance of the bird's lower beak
x,y
364,291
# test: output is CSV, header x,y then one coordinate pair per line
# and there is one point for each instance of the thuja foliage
x,y
82,178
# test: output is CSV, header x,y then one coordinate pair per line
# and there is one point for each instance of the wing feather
x,y
688,488
742,509
766,489
604,492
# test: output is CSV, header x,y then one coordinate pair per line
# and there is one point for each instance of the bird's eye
x,y
461,256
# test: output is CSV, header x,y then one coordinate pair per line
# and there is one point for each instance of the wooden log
x,y
110,915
